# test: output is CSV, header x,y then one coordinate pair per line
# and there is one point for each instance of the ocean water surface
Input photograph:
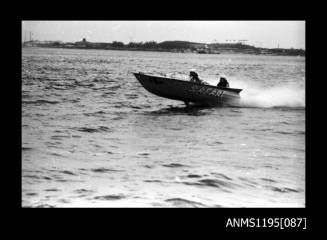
x,y
92,136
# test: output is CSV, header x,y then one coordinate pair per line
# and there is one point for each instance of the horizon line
x,y
162,42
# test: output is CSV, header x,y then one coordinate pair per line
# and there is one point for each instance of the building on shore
x,y
82,43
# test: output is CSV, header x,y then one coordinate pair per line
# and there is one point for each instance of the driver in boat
x,y
194,77
223,82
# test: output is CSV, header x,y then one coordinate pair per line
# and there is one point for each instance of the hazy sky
x,y
285,34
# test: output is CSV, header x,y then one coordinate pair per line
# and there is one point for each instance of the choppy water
x,y
92,136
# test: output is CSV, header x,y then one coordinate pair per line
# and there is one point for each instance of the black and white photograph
x,y
163,114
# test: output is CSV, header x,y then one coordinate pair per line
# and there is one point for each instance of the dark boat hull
x,y
187,91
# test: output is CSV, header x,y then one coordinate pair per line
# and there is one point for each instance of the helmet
x,y
223,76
193,73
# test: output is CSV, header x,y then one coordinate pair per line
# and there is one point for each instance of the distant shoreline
x,y
170,46
167,51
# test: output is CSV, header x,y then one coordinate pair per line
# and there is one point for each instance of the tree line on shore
x,y
177,46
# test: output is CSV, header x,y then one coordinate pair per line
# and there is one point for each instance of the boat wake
x,y
286,96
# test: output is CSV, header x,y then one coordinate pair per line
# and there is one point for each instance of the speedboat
x,y
188,92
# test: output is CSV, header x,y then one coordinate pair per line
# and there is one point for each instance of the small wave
x,y
136,107
32,176
193,176
260,130
51,190
117,118
110,197
221,185
215,183
41,101
150,181
283,190
222,175
45,206
143,153
270,166
70,181
248,180
64,201
174,165
88,85
94,113
175,128
148,166
106,94
26,149
284,133
132,96
56,154
113,88
56,137
93,130
101,80
191,111
82,190
103,129
104,170
32,171
62,180
68,172
31,194
181,202
37,177
287,108
268,180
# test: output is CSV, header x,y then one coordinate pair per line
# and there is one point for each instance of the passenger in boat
x,y
194,77
223,83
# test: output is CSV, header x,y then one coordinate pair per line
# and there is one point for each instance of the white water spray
x,y
253,95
